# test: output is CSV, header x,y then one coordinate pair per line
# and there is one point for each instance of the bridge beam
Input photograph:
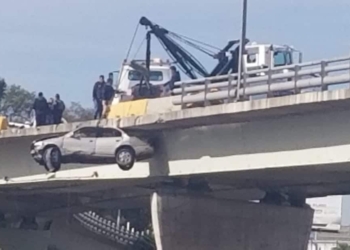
x,y
188,222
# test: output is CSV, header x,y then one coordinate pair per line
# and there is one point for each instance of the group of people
x,y
51,112
48,112
102,95
103,92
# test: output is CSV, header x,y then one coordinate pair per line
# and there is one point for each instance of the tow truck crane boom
x,y
186,61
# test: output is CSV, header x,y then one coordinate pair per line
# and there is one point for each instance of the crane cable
x,y
122,77
138,49
132,41
202,43
191,42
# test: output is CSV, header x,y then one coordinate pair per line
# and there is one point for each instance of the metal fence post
x,y
118,218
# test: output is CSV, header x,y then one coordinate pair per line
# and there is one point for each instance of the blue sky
x,y
63,45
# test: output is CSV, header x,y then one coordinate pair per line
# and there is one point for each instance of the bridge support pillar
x,y
189,222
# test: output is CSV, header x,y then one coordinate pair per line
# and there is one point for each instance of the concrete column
x,y
188,222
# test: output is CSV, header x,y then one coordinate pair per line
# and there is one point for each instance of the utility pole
x,y
242,47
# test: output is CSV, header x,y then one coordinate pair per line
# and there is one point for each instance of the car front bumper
x,y
37,155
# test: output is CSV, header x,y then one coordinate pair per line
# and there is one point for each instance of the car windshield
x,y
153,75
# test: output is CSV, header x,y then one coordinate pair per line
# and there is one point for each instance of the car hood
x,y
46,138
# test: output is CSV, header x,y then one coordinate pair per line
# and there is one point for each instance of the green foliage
x,y
341,246
17,103
76,112
3,86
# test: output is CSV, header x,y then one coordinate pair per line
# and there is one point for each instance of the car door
x,y
81,143
107,141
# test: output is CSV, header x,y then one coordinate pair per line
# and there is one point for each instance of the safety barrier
x,y
123,235
127,109
3,123
291,79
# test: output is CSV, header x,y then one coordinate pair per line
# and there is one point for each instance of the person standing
x,y
58,109
49,115
41,108
175,77
108,95
98,96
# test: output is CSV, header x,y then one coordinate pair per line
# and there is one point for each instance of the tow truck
x,y
144,79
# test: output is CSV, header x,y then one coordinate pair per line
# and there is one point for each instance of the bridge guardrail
x,y
269,81
125,236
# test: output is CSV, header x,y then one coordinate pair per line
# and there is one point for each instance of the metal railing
x,y
124,235
291,79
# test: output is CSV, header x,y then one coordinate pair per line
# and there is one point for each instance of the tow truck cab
x,y
265,55
159,74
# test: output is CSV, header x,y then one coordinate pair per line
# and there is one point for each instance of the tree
x,y
341,246
17,103
76,113
3,86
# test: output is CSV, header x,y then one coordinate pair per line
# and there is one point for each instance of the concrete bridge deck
x,y
172,118
295,144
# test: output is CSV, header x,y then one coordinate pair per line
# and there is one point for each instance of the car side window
x,y
86,133
110,132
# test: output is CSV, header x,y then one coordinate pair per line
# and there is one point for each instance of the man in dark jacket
x,y
98,96
58,109
41,108
175,77
108,96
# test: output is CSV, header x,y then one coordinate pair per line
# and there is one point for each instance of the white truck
x,y
257,56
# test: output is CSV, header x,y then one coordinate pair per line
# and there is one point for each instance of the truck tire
x,y
52,159
125,158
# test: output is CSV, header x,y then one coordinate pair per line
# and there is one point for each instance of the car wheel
x,y
125,158
52,159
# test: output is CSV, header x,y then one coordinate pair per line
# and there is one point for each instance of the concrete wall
x,y
61,235
191,223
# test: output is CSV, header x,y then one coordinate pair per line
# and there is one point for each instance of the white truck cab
x,y
265,55
159,74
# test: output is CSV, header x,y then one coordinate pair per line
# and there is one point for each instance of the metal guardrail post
x,y
323,74
238,86
182,95
244,83
207,81
296,75
269,74
230,78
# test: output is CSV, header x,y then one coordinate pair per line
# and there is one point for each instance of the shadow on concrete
x,y
275,135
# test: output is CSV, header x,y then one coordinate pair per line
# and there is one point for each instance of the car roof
x,y
129,131
101,127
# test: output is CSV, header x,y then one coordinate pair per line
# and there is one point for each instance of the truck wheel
x,y
125,158
52,159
